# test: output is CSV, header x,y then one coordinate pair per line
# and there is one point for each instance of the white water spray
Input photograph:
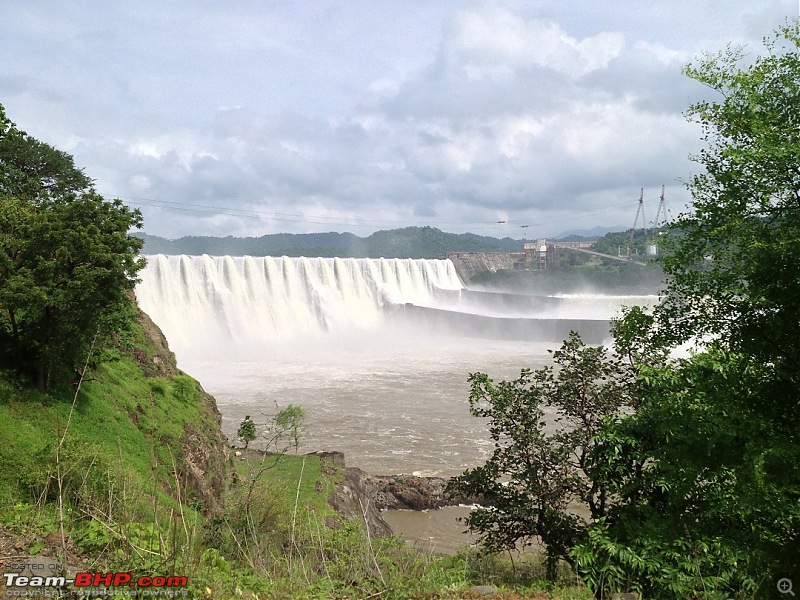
x,y
234,301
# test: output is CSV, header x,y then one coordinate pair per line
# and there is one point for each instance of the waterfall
x,y
204,300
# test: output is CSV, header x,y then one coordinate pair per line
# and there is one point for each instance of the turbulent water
x,y
377,351
246,301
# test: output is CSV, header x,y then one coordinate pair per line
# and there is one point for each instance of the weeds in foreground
x,y
273,541
282,548
121,509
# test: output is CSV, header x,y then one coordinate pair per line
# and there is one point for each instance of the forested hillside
x,y
410,242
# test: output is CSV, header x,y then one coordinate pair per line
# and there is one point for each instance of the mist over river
x,y
383,383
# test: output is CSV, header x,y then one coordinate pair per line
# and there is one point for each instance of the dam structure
x,y
228,301
247,300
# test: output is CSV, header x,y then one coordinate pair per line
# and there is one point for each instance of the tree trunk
x,y
41,375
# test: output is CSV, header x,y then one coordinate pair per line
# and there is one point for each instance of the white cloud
x,y
665,55
366,115
496,44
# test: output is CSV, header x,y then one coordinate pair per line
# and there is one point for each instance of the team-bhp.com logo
x,y
169,585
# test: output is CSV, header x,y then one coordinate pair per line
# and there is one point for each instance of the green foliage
x,y
533,476
67,263
32,169
658,568
121,437
292,423
122,472
706,470
184,387
247,431
705,484
740,245
622,242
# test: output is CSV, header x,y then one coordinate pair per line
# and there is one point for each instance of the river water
x,y
393,401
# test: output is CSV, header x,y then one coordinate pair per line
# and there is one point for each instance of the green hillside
x,y
409,242
114,464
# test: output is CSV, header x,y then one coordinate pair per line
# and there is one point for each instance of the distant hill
x,y
587,234
409,242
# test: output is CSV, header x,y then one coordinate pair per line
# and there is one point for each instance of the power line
x,y
337,220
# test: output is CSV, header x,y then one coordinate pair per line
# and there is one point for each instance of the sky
x,y
249,117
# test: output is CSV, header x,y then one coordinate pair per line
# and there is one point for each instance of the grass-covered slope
x,y
135,455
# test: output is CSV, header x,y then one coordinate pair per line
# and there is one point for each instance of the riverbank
x,y
353,538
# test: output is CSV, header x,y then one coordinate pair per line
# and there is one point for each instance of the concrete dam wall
x,y
467,264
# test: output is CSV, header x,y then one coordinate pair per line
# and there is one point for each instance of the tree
x,y
67,263
701,476
706,472
291,422
247,431
533,477
739,244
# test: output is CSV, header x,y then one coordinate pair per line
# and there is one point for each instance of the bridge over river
x,y
579,248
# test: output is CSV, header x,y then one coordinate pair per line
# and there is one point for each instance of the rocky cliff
x,y
204,449
363,496
467,264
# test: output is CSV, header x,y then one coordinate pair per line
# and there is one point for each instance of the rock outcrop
x,y
204,452
468,264
363,496
352,498
412,493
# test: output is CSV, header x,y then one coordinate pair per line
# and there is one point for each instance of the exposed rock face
x,y
160,360
335,458
362,496
204,457
352,499
204,448
412,492
467,264
409,492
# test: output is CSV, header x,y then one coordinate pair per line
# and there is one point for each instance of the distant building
x,y
536,254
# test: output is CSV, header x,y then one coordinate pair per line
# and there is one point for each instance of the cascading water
x,y
246,301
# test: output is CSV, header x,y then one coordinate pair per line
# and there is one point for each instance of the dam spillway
x,y
247,300
235,303
532,329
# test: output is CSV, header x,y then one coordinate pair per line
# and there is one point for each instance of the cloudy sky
x,y
254,116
